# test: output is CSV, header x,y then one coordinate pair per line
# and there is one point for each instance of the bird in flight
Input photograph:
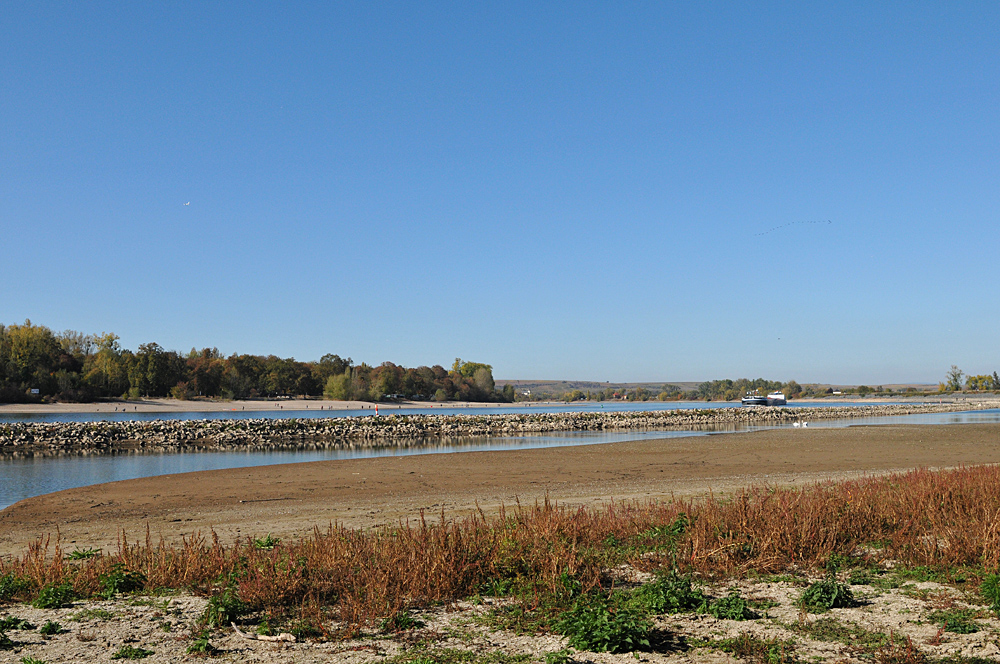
x,y
188,203
826,221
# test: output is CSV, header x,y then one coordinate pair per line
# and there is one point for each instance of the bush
x,y
593,624
827,594
55,596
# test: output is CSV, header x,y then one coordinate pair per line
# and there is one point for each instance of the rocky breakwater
x,y
24,439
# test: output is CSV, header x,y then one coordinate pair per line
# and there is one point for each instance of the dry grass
x,y
936,519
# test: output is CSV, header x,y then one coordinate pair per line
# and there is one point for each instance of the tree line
x,y
39,364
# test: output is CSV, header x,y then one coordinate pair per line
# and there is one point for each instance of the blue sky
x,y
563,190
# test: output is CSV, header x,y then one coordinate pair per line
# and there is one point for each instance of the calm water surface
x,y
23,478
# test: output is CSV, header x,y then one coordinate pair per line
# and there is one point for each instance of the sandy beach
x,y
292,499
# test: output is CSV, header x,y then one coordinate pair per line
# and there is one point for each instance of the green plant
x,y
12,622
50,628
121,580
670,593
595,624
82,554
400,621
200,644
860,577
54,596
956,621
564,656
731,607
305,629
11,585
31,660
84,615
266,543
224,608
131,652
827,594
990,590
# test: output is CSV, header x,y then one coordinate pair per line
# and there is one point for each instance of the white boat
x,y
757,399
776,399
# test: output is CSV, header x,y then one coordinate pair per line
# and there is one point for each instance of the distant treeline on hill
x,y
38,364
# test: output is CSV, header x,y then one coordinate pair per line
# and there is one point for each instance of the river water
x,y
23,478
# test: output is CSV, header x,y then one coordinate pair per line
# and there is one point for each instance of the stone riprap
x,y
27,439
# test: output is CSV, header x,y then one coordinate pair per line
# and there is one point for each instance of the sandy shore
x,y
291,499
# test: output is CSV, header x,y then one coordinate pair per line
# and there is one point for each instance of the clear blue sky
x,y
573,190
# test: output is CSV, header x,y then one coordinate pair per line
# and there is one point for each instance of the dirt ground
x,y
292,499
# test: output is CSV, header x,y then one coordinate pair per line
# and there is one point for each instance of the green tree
x,y
953,379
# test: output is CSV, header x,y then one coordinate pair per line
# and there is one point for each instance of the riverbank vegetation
x,y
39,364
560,570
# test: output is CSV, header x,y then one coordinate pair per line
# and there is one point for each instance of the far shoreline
x,y
169,405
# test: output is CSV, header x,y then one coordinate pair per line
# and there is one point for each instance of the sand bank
x,y
291,499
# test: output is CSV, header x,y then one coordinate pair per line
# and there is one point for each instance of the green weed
x,y
748,647
131,652
670,593
200,645
224,608
55,596
564,656
11,585
990,590
11,622
731,607
595,624
957,621
266,543
121,580
827,594
31,660
82,554
85,615
51,628
400,621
